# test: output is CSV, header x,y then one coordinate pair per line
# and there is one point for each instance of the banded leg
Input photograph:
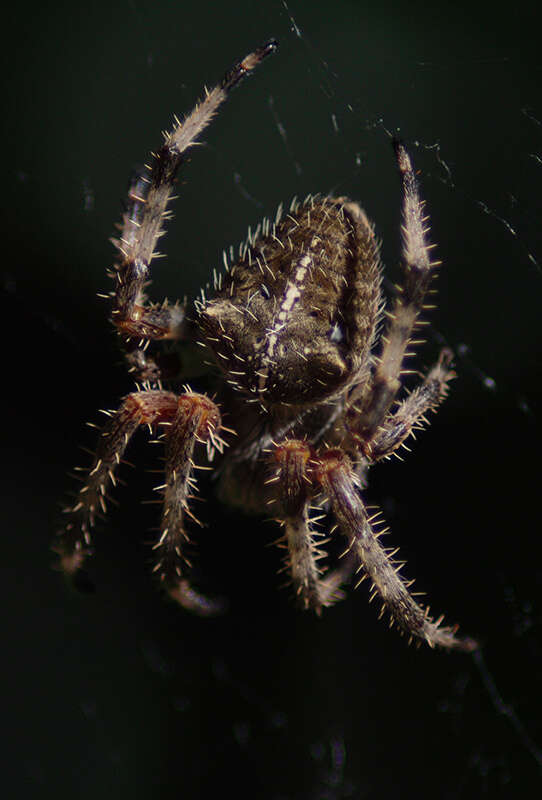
x,y
313,589
410,414
418,271
188,419
197,421
141,226
332,470
139,408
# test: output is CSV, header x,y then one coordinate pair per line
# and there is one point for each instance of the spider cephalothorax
x,y
292,327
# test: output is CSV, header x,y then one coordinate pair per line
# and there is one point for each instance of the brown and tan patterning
x,y
300,373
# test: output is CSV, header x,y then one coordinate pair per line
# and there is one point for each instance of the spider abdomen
x,y
295,315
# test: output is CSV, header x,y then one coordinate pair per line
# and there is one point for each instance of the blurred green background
x,y
119,694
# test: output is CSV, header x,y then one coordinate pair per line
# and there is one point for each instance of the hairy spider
x,y
292,327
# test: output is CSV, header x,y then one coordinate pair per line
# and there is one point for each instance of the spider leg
x,y
365,304
332,470
188,419
410,413
137,321
418,270
314,589
139,408
197,421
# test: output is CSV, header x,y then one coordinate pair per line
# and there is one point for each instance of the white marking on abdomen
x,y
294,290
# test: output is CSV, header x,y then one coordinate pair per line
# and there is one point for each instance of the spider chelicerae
x,y
292,329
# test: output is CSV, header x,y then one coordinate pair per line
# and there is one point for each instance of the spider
x,y
292,330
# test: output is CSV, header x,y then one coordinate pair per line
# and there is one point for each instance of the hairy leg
x,y
188,420
332,471
379,393
410,413
314,589
136,320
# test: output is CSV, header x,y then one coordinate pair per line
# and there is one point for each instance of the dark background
x,y
120,694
